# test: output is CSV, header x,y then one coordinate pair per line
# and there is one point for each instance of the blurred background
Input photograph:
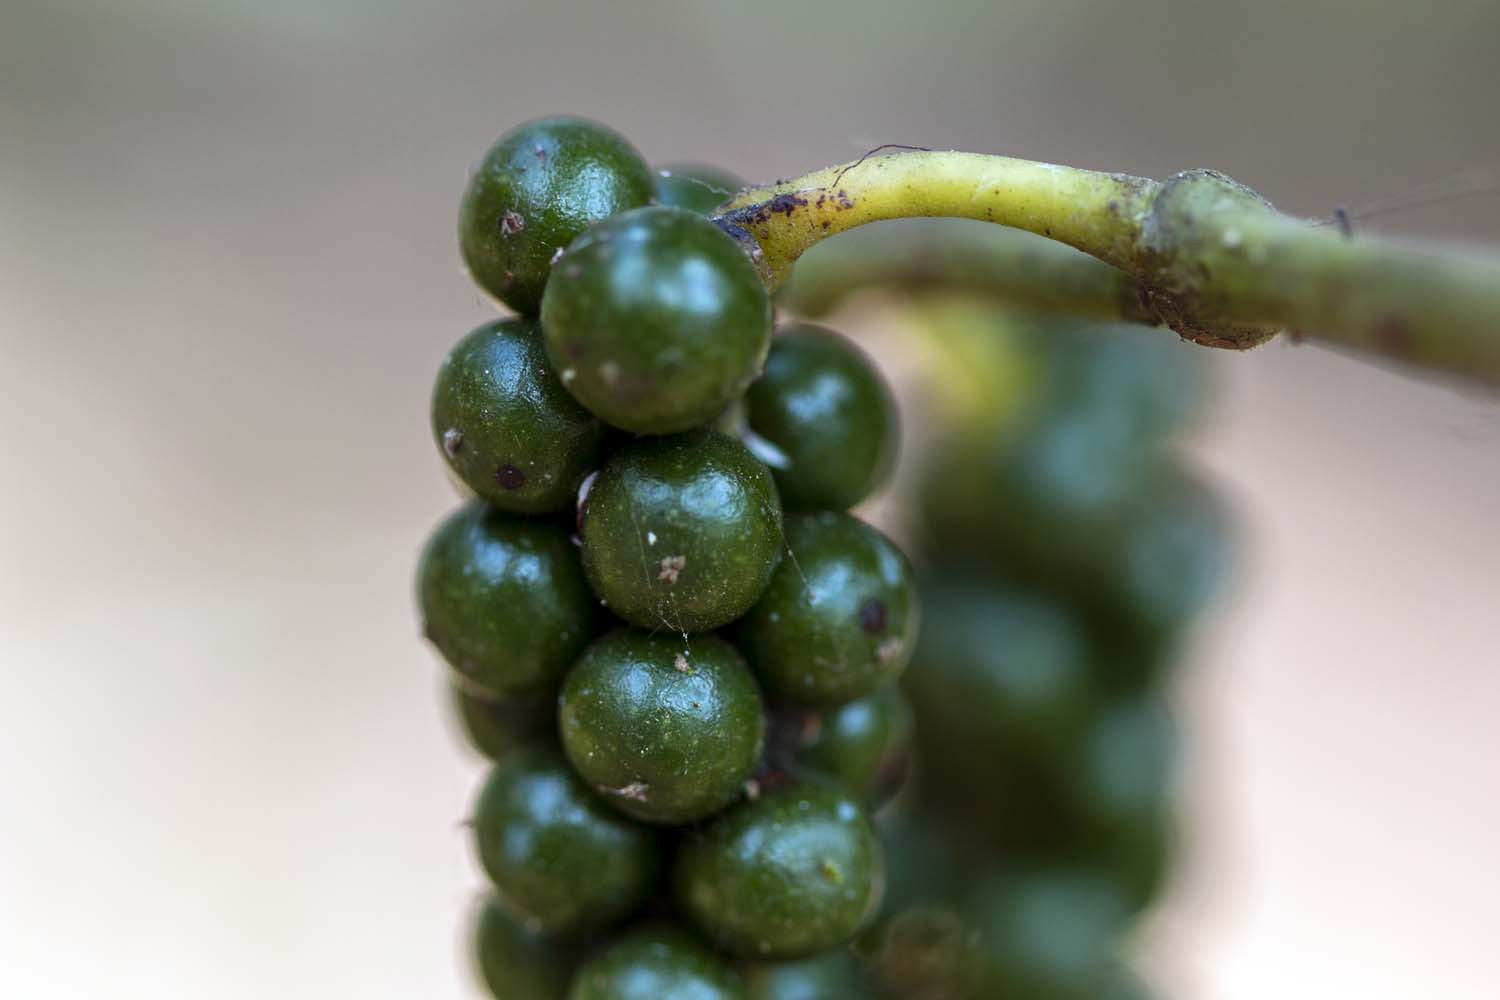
x,y
228,272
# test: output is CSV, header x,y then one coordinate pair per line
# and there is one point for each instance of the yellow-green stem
x,y
1209,257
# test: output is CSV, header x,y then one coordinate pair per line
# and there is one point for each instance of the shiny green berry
x,y
496,726
791,873
667,730
557,855
536,189
864,743
695,187
504,599
656,319
823,406
834,975
515,963
506,426
656,963
840,616
681,532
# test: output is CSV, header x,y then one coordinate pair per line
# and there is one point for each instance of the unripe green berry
x,y
656,963
557,855
496,726
656,319
681,532
791,873
695,187
824,406
537,188
504,599
864,743
666,730
840,616
505,424
834,975
515,963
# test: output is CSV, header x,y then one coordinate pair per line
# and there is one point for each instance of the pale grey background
x,y
227,272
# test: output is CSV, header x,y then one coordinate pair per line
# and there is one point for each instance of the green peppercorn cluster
x,y
1065,545
678,649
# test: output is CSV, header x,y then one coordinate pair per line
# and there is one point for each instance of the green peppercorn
x,y
681,532
667,730
864,743
839,618
656,963
695,187
834,975
538,187
517,964
496,726
506,426
656,319
557,855
788,874
825,408
504,599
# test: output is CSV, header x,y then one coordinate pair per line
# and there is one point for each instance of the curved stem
x,y
941,255
1209,257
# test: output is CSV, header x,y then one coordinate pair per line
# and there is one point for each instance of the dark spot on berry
x,y
872,616
453,439
510,477
541,154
